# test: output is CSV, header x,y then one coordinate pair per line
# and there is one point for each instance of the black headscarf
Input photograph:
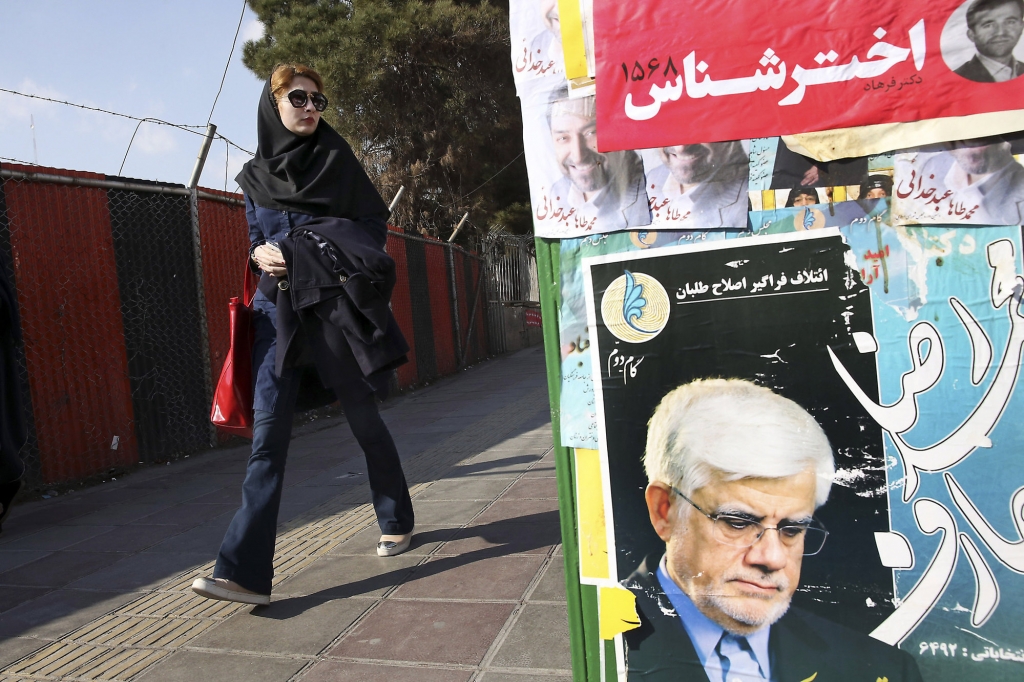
x,y
801,191
317,174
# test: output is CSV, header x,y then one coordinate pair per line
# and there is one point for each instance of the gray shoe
x,y
226,590
390,545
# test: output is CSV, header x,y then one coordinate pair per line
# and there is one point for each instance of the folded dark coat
x,y
340,282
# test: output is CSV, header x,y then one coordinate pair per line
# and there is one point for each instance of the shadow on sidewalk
x,y
52,611
68,561
545,532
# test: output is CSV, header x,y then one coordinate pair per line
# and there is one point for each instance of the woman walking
x,y
316,220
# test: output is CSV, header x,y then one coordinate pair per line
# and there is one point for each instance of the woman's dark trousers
x,y
247,552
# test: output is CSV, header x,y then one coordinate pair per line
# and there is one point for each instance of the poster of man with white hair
x,y
814,499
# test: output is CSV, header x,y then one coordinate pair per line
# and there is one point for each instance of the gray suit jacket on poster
x,y
715,203
975,71
802,646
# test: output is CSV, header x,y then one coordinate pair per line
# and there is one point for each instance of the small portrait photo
x,y
782,178
698,186
982,40
978,182
589,191
803,196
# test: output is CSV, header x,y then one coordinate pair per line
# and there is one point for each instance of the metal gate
x,y
513,305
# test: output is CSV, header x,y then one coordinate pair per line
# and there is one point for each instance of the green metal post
x,y
548,274
592,633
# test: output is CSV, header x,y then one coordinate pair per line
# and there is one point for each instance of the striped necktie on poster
x,y
737,659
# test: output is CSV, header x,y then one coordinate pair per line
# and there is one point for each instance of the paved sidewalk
x,y
95,585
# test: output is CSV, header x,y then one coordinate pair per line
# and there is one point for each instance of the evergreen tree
x,y
423,91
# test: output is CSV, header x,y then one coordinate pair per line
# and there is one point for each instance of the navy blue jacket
x,y
269,225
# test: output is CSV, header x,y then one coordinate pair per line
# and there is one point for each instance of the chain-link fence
x,y
122,290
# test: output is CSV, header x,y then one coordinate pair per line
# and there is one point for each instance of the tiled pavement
x,y
95,585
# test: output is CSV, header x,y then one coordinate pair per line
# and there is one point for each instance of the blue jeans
x,y
247,552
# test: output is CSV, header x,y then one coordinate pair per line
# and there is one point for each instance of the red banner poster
x,y
671,73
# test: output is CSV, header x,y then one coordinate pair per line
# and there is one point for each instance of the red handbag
x,y
232,399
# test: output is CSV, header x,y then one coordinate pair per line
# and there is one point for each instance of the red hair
x,y
283,75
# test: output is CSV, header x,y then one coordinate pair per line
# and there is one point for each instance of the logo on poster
x,y
809,219
635,307
643,239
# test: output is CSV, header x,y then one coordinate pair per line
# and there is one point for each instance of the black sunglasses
x,y
298,99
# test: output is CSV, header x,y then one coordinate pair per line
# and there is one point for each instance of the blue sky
x,y
152,58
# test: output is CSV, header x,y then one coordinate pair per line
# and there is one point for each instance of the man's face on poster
x,y
996,32
743,589
978,157
876,193
693,163
575,139
549,12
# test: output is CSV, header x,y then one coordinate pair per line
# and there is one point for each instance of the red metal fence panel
x,y
224,236
66,280
440,308
401,306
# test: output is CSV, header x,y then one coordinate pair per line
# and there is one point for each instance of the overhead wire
x,y
495,175
481,185
220,88
227,65
25,163
194,129
137,126
182,126
241,149
231,54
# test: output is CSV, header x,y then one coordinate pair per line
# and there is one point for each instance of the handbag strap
x,y
249,286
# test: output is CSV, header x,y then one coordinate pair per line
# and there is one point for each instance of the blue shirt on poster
x,y
706,633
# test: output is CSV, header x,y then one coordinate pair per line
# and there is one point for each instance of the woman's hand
x,y
269,259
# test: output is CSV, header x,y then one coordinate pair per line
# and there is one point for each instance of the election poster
x,y
810,456
670,74
577,190
968,182
577,406
780,178
698,186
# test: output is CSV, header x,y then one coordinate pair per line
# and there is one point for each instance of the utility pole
x,y
197,256
398,196
458,227
204,149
